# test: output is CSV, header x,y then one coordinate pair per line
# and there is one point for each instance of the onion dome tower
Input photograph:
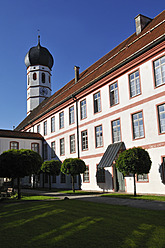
x,y
39,63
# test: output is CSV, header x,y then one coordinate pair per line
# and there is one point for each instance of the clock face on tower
x,y
43,91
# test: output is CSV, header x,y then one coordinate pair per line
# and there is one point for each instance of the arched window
x,y
43,77
34,76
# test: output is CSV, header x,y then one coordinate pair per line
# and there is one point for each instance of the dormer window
x,y
43,77
34,76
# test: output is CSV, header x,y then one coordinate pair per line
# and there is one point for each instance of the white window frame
x,y
161,117
84,140
52,124
138,125
97,102
83,112
116,131
99,136
134,84
114,97
72,143
61,119
71,115
159,71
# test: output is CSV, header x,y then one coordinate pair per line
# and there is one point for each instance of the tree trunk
x,y
49,181
19,188
79,181
134,184
73,183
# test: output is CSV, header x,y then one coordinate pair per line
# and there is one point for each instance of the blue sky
x,y
75,32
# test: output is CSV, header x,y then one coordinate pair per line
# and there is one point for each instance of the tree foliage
x,y
52,167
73,166
134,161
19,163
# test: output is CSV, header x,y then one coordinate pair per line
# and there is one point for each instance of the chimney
x,y
141,22
76,69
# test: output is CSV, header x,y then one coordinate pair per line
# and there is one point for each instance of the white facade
x,y
12,140
119,98
38,85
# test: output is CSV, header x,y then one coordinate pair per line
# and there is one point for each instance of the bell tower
x,y
39,63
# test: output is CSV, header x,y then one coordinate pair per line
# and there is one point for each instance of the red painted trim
x,y
35,143
147,181
92,156
14,142
125,108
61,133
153,70
157,115
113,76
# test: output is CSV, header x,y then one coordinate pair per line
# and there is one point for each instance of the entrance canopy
x,y
111,154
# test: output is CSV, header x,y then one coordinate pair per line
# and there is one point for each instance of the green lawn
x,y
76,224
143,197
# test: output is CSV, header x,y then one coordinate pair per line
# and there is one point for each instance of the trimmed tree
x,y
52,167
73,166
134,161
18,164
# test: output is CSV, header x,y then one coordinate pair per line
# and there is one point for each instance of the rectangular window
x,y
52,124
84,140
161,116
99,136
62,178
71,115
83,113
53,154
86,175
142,177
38,128
45,151
62,147
45,127
97,102
61,119
72,143
138,130
159,71
134,84
100,175
116,135
35,147
14,145
113,94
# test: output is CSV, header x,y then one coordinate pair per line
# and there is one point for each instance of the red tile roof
x,y
152,34
17,134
